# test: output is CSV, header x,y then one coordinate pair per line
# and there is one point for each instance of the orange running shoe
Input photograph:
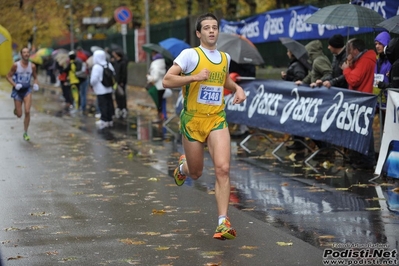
x,y
225,231
179,177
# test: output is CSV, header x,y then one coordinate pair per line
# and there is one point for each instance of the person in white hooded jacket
x,y
104,94
155,76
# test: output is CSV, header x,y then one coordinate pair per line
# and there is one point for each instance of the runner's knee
x,y
196,174
222,170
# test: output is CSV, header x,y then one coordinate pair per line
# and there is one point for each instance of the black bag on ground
x,y
109,79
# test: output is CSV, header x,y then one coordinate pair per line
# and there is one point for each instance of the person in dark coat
x,y
392,53
120,65
296,70
336,45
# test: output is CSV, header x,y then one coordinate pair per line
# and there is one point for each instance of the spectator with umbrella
x,y
359,73
321,70
321,65
298,66
297,70
174,46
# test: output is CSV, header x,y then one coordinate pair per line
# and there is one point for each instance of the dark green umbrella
x,y
149,47
349,15
390,24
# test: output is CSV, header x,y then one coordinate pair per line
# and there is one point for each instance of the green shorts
x,y
197,127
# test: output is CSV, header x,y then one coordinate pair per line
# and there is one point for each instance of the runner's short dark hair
x,y
20,51
204,17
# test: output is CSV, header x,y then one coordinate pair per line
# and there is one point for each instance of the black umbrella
x,y
390,24
149,47
298,50
241,50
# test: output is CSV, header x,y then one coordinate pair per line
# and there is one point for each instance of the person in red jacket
x,y
359,67
359,73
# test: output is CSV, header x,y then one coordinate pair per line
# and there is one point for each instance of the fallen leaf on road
x,y
154,211
315,189
248,247
129,241
386,185
171,258
277,209
15,258
39,214
326,237
36,227
149,233
373,209
168,235
60,233
360,185
54,252
109,186
94,195
211,254
192,212
247,255
375,199
11,229
68,259
162,248
283,244
249,209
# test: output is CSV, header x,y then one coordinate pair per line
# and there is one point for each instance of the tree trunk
x,y
203,6
231,10
252,6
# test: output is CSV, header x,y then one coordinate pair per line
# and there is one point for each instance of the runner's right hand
x,y
18,86
203,75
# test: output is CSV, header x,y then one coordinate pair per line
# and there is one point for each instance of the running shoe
x,y
225,231
180,178
26,137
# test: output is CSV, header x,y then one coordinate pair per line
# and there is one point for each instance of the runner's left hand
x,y
35,87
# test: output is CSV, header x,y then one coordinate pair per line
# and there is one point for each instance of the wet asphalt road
x,y
322,203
